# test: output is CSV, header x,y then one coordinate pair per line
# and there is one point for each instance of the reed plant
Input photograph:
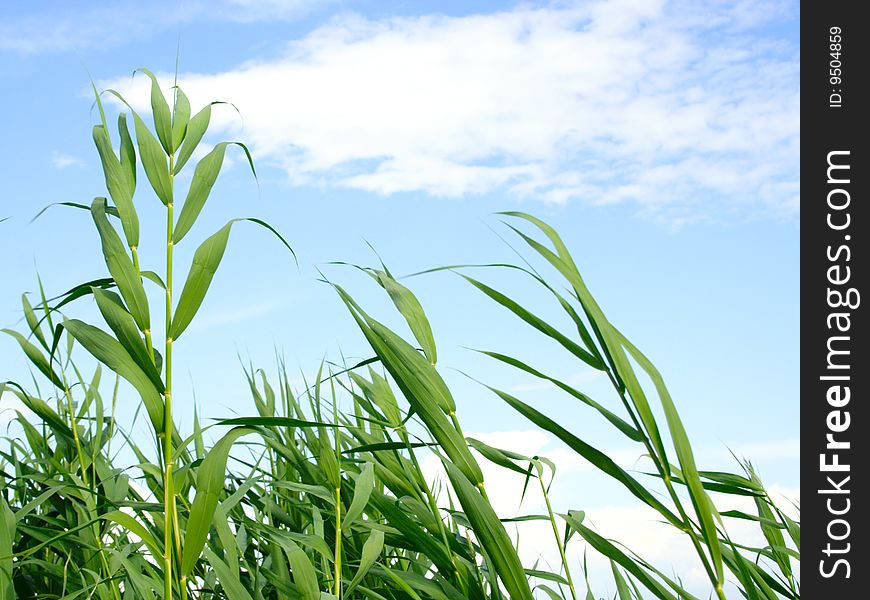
x,y
321,492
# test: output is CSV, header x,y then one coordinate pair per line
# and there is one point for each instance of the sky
x,y
659,137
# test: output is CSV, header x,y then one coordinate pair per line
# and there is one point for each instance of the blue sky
x,y
660,138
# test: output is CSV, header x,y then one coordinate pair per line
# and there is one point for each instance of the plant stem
x,y
337,590
558,538
168,484
75,429
338,533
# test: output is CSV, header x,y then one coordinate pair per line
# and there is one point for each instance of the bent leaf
x,y
111,353
204,177
206,261
209,486
121,266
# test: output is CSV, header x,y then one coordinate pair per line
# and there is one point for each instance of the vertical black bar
x,y
834,368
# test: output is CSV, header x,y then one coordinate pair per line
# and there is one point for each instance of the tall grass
x,y
321,493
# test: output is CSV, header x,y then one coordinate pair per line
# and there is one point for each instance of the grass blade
x,y
111,353
204,177
491,534
371,551
121,266
160,110
209,486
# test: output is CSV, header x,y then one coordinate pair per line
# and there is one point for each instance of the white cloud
x,y
655,103
59,160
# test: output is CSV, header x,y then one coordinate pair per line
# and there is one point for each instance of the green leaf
x,y
36,357
153,160
32,320
704,508
614,419
160,110
133,526
110,352
503,458
420,383
304,575
180,117
121,322
127,152
206,260
7,540
410,308
121,266
363,487
622,590
491,535
604,331
609,550
110,210
118,183
42,410
195,130
371,551
598,459
537,323
229,581
204,177
209,486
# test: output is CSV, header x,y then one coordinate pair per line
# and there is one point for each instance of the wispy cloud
x,y
652,102
573,380
76,28
59,160
235,315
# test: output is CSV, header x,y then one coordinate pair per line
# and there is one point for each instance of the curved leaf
x,y
121,322
118,183
121,266
371,551
491,534
153,160
180,117
206,260
204,177
160,110
111,353
36,357
196,128
210,480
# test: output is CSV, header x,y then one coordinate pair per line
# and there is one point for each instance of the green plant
x,y
321,493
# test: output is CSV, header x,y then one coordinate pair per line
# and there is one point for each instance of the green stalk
x,y
558,538
337,591
168,487
75,429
